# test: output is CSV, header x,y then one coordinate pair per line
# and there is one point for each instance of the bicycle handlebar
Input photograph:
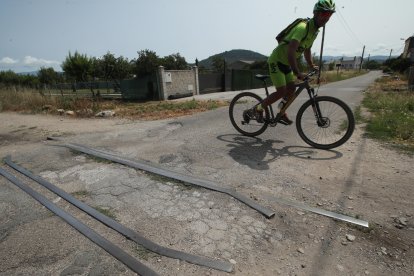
x,y
310,74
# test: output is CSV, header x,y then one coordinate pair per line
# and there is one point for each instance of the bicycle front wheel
x,y
327,124
240,117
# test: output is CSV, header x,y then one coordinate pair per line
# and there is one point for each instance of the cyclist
x,y
282,62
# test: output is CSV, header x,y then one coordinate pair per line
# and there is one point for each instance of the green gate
x,y
244,79
144,88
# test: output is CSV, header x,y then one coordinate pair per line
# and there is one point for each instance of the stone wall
x,y
178,83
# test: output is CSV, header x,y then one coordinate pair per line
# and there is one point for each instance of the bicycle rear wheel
x,y
242,121
331,128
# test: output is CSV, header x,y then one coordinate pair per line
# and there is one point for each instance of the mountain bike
x,y
323,122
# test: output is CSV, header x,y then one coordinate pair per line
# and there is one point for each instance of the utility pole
x,y
390,55
362,59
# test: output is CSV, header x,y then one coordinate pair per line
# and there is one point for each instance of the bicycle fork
x,y
322,122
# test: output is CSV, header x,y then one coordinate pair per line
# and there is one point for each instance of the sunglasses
x,y
325,14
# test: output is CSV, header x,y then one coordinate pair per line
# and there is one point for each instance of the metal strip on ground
x,y
146,166
319,211
109,247
151,168
277,200
127,232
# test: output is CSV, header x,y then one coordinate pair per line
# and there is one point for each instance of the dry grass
x,y
332,76
31,101
392,112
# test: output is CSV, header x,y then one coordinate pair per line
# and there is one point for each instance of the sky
x,y
41,33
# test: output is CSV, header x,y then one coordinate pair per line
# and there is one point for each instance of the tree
x,y
122,68
218,63
372,65
9,78
174,62
48,76
147,63
78,67
398,64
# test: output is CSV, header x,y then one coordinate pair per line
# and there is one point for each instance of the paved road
x,y
195,220
217,122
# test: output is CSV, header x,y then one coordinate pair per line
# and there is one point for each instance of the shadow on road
x,y
258,154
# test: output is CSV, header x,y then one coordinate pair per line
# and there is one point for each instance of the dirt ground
x,y
377,186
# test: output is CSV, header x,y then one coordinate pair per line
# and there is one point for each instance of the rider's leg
x,y
290,89
284,81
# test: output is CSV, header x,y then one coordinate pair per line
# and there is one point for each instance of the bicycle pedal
x,y
283,123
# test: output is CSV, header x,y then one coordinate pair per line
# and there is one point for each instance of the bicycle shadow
x,y
258,154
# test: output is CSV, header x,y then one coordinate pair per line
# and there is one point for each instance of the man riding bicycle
x,y
282,62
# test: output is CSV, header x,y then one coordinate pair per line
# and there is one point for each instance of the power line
x,y
347,28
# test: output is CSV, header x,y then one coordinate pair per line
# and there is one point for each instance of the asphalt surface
x,y
205,145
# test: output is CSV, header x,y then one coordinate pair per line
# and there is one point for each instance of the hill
x,y
239,54
232,56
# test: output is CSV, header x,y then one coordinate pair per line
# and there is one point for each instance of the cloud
x,y
28,63
7,60
32,61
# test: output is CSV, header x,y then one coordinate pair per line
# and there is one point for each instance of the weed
x,y
99,159
82,193
106,211
163,179
144,253
332,76
359,119
392,118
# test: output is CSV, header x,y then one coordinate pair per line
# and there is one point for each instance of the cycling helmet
x,y
324,5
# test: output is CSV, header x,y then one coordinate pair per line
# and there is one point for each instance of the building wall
x,y
351,64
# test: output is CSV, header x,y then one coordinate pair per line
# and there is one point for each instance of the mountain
x,y
239,54
232,56
32,73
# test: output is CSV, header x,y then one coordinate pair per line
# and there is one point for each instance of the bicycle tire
x,y
238,105
339,123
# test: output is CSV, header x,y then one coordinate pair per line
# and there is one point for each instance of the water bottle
x,y
282,103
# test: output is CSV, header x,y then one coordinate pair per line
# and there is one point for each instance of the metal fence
x,y
142,88
231,80
147,87
108,89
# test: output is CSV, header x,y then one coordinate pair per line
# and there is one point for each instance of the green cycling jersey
x,y
299,33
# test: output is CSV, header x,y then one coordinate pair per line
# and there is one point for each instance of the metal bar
x,y
318,211
127,232
109,247
152,168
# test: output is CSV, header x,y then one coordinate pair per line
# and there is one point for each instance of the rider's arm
x,y
308,58
292,48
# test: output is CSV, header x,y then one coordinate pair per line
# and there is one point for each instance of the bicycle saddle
x,y
262,77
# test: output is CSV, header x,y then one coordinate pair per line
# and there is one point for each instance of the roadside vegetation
x,y
33,102
391,108
332,76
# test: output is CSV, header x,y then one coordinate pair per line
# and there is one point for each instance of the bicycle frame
x,y
299,88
